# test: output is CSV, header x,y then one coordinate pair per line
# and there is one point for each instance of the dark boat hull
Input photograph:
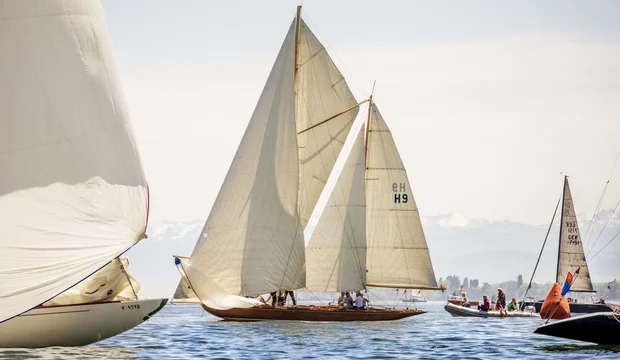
x,y
311,313
580,308
599,328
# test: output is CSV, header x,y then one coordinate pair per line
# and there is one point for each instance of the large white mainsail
x,y
321,93
398,256
252,243
570,253
336,251
73,195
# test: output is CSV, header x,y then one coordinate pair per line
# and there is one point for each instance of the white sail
x,y
398,256
252,242
321,92
73,195
336,251
184,291
570,253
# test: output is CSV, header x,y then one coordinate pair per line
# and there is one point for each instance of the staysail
x,y
336,251
570,253
73,195
252,243
398,256
321,93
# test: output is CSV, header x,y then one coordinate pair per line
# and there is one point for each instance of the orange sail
x,y
555,305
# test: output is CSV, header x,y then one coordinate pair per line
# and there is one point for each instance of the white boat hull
x,y
456,310
75,325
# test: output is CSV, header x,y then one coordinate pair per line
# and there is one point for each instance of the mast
x,y
557,272
297,27
368,120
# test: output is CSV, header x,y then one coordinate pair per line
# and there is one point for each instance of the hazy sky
x,y
488,101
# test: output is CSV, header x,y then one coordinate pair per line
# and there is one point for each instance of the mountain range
x,y
492,251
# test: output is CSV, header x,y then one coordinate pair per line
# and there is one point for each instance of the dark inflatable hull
x,y
599,328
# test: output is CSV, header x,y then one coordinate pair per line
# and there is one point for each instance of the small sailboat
x,y
73,195
571,258
415,296
368,235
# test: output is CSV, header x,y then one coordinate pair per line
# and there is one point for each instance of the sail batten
x,y
398,255
336,251
252,243
570,251
321,93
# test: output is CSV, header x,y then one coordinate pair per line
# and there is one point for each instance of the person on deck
x,y
292,294
360,301
486,305
513,305
341,299
273,297
349,300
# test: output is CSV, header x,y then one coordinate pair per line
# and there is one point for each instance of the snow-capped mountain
x,y
492,251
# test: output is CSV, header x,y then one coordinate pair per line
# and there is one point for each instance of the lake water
x,y
187,332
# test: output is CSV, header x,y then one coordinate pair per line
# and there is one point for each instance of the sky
x,y
488,101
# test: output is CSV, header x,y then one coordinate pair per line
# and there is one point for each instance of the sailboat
x,y
571,257
368,235
415,296
73,195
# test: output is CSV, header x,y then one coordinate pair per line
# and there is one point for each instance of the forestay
x,y
570,254
336,251
321,92
252,242
398,256
72,192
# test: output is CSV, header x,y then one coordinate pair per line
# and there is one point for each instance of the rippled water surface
x,y
187,332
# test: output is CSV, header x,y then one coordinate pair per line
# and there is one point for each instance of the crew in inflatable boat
x,y
513,305
466,303
486,305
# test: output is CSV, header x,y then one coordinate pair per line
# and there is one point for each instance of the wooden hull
x,y
598,328
311,313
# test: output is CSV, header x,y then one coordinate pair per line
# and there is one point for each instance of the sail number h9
x,y
400,195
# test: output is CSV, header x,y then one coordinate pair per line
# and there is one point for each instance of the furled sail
x,y
336,251
570,254
398,256
252,243
321,92
73,195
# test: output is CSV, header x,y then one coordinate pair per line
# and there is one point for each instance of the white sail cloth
x,y
336,251
321,92
252,243
107,284
209,291
73,195
571,256
397,253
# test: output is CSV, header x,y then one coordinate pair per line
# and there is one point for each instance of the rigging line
x,y
598,252
529,286
604,226
333,51
595,215
611,173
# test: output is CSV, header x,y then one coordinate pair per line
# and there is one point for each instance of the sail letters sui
x,y
571,256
